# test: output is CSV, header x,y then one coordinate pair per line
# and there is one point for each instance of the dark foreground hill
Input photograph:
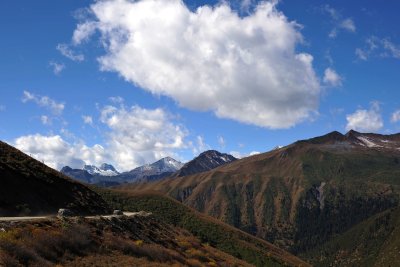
x,y
300,196
209,230
28,187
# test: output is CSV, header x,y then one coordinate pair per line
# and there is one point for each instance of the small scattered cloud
x,y
395,116
365,120
200,145
378,47
348,24
332,78
87,120
248,69
221,141
2,108
45,120
57,67
116,99
240,155
66,51
393,50
339,22
43,101
83,32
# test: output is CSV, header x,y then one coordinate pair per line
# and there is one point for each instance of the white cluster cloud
x,y
242,68
332,78
56,152
2,107
365,120
340,23
135,136
67,52
140,135
375,46
57,67
43,101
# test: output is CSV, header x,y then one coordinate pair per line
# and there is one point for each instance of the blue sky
x,y
129,82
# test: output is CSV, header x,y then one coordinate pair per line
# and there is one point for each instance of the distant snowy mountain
x,y
106,174
104,170
155,171
207,160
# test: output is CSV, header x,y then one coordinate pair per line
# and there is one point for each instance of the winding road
x,y
33,218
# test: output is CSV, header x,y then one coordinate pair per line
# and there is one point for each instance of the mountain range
x,y
302,196
107,175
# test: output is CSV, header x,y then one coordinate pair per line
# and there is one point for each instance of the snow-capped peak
x,y
104,170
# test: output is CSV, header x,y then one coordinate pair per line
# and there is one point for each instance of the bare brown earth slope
x,y
299,196
28,187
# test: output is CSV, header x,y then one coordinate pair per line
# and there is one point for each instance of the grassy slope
x,y
373,242
137,241
30,187
209,230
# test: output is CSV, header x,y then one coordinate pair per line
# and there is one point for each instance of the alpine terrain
x,y
302,196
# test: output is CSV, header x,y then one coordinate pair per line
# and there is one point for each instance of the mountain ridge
x,y
205,161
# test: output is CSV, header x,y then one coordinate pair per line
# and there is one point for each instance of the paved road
x,y
11,219
32,218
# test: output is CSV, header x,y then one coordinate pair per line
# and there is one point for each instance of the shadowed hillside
x,y
29,187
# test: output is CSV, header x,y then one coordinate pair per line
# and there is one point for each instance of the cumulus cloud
x,y
43,101
378,47
331,77
57,67
395,116
56,152
87,120
339,23
138,136
241,68
67,52
365,120
135,136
